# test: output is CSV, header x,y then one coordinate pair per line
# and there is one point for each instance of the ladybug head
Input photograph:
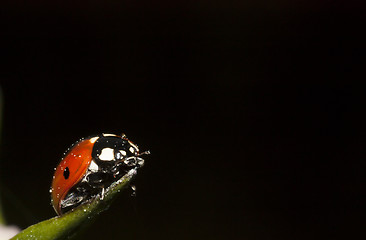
x,y
110,150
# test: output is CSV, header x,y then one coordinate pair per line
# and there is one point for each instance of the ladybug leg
x,y
134,162
71,199
102,194
116,169
121,168
75,197
131,161
98,179
133,188
140,161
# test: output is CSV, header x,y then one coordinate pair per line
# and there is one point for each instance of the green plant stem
x,y
72,223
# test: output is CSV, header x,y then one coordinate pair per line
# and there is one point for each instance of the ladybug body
x,y
90,166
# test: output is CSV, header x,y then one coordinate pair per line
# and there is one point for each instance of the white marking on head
x,y
107,154
93,167
92,140
123,152
132,149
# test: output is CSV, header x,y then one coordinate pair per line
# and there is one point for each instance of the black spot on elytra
x,y
66,173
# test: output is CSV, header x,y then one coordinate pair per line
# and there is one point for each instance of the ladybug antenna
x,y
143,153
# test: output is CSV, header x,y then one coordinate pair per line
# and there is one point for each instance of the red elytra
x,y
70,171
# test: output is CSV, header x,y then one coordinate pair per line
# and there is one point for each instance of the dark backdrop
x,y
253,111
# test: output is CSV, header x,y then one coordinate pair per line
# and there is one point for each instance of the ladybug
x,y
89,167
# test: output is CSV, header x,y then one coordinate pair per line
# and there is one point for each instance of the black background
x,y
253,111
